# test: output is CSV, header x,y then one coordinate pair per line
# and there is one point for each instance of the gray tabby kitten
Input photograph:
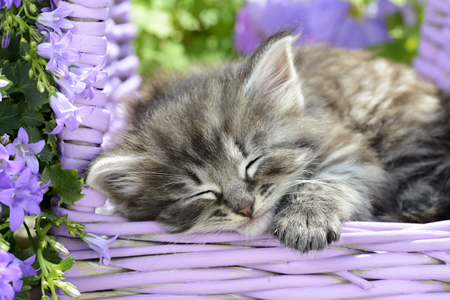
x,y
295,140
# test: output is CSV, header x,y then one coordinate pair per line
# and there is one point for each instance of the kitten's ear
x,y
113,175
275,74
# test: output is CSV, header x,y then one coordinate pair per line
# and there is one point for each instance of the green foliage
x,y
63,182
175,33
405,39
27,85
23,294
10,116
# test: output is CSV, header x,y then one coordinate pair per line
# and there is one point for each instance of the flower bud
x,y
70,290
72,233
33,45
35,34
41,87
44,284
9,19
30,74
33,8
61,249
4,245
5,138
43,244
22,40
27,57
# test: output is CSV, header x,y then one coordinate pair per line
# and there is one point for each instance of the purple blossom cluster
x,y
9,3
11,270
338,22
20,186
72,76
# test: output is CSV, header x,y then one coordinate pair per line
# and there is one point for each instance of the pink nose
x,y
247,212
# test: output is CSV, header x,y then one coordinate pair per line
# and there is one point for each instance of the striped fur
x,y
295,140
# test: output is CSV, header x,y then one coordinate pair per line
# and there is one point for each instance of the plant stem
x,y
5,225
30,238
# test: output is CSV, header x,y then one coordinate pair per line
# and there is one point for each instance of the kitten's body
x,y
292,140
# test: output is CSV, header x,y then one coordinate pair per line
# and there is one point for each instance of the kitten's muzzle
x,y
247,211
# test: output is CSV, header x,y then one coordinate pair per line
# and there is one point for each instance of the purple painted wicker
x,y
433,60
371,260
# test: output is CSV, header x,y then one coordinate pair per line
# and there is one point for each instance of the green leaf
x,y
24,49
66,264
10,116
63,182
48,216
34,134
28,87
51,256
23,294
24,254
32,117
4,214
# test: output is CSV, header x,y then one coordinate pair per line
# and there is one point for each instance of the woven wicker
x,y
371,260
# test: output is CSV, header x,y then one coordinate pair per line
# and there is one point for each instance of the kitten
x,y
295,140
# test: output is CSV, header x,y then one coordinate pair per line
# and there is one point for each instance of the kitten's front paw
x,y
306,231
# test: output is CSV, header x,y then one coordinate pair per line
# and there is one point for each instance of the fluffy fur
x,y
295,140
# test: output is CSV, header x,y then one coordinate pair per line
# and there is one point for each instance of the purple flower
x,y
67,113
100,246
58,51
258,19
25,267
8,3
21,195
246,35
5,39
337,22
56,19
86,75
8,272
346,25
23,150
10,167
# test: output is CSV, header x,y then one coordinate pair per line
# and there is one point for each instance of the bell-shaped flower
x,y
56,19
58,51
86,75
21,195
25,267
8,273
67,113
8,3
23,150
100,245
7,166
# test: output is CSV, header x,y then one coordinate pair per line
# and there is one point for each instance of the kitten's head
x,y
218,151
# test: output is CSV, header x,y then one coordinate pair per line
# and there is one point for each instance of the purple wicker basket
x,y
371,260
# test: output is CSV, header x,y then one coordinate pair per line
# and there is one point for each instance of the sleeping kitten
x,y
295,140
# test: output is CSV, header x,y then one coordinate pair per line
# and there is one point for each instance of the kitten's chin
x,y
257,225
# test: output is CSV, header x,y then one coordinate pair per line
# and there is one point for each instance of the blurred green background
x,y
173,34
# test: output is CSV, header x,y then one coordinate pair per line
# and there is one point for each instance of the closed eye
x,y
205,195
252,166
